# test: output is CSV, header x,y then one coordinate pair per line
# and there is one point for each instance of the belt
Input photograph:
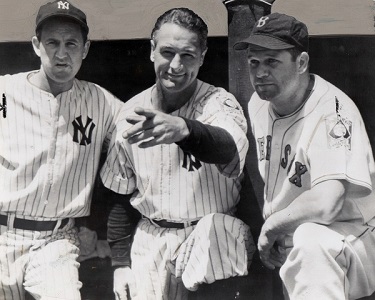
x,y
33,225
167,224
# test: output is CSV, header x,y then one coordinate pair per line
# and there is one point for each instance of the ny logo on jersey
x,y
80,128
3,106
192,161
63,5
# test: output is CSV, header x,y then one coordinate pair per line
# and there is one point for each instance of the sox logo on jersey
x,y
300,168
300,150
339,133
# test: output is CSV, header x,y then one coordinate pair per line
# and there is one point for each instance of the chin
x,y
170,86
262,96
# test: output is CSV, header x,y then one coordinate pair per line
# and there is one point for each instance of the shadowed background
x,y
342,48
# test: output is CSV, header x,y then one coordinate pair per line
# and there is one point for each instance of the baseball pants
x,y
167,262
330,262
40,262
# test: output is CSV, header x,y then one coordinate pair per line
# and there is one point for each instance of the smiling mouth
x,y
175,75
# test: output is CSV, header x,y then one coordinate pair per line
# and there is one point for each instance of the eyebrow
x,y
191,49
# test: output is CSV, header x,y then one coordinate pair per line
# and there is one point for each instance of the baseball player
x,y
180,162
51,140
317,164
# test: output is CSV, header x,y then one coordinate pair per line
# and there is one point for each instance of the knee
x,y
312,238
222,222
221,225
307,234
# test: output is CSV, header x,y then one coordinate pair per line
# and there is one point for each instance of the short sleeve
x,y
340,149
117,173
221,109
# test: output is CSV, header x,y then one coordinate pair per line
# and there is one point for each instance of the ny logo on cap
x,y
262,21
63,5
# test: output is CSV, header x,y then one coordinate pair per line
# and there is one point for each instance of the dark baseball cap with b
x,y
277,32
61,9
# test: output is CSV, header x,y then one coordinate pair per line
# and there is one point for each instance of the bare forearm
x,y
321,205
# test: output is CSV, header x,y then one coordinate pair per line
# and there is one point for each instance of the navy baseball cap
x,y
61,9
277,32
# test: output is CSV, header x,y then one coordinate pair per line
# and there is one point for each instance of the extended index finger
x,y
138,121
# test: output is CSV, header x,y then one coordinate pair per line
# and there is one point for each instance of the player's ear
x,y
86,48
202,57
303,62
152,54
36,45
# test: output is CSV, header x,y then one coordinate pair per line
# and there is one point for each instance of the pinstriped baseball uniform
x,y
49,156
157,172
51,147
325,139
167,183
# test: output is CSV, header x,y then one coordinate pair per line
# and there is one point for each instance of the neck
x,y
43,82
167,102
303,91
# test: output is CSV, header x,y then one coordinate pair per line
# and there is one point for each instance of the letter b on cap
x,y
262,21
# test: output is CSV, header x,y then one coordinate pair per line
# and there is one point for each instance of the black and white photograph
x,y
187,150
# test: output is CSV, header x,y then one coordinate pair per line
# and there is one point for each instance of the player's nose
x,y
61,52
176,62
262,71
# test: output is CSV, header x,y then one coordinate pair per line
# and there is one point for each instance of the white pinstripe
x,y
43,172
47,170
43,263
164,189
156,172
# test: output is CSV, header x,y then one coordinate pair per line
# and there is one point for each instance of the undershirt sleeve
x,y
209,144
122,221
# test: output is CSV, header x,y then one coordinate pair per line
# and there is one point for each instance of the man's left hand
x,y
268,249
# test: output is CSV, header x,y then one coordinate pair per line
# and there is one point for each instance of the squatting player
x,y
318,168
180,162
51,139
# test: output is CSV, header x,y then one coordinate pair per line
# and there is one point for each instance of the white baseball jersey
x,y
324,139
169,183
50,146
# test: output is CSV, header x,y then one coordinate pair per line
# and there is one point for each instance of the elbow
x,y
329,215
330,196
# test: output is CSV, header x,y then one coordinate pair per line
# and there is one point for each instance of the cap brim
x,y
263,41
62,15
